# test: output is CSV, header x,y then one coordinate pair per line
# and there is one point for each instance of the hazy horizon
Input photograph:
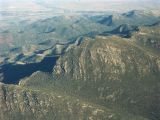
x,y
85,5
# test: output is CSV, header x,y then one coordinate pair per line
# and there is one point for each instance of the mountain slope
x,y
149,36
107,78
19,103
114,72
110,71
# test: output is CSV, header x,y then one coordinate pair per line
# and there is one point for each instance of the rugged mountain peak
x,y
113,71
130,13
103,19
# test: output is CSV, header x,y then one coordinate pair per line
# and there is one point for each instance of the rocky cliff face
x,y
114,72
17,103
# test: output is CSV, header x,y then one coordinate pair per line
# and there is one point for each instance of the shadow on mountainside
x,y
12,74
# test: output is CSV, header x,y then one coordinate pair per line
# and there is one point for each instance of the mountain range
x,y
81,65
